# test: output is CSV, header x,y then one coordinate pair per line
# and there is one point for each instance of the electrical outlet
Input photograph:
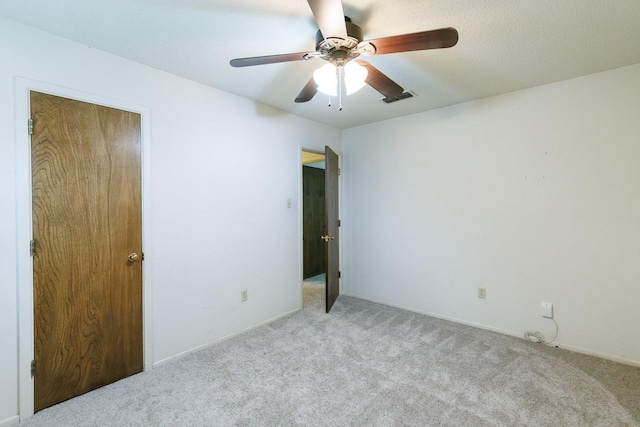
x,y
244,295
482,293
547,310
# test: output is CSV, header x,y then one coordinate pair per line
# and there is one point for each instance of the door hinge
x,y
339,223
141,256
33,368
32,247
339,274
339,172
30,127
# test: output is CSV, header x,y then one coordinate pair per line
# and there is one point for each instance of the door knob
x,y
134,257
326,238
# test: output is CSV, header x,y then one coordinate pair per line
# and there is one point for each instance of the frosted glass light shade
x,y
326,77
354,77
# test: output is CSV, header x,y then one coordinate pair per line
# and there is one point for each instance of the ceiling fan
x,y
341,47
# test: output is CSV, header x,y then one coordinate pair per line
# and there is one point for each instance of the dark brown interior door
x,y
331,237
312,221
87,230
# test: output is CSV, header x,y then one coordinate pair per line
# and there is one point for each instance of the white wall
x,y
219,217
534,195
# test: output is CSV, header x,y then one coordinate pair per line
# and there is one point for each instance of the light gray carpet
x,y
365,364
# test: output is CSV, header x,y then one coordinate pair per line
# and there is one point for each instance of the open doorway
x,y
313,223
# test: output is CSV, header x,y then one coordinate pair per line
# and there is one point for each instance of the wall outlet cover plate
x,y
547,309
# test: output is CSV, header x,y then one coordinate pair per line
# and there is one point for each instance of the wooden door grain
x,y
87,220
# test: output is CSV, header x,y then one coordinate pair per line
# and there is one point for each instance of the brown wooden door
x,y
312,221
332,245
87,220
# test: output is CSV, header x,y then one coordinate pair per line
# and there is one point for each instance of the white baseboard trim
x,y
501,331
601,355
10,421
219,340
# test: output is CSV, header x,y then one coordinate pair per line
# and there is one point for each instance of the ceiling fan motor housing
x,y
338,50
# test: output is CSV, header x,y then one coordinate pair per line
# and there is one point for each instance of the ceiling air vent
x,y
400,97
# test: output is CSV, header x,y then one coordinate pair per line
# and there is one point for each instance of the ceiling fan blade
x,y
380,82
330,17
432,39
270,59
308,91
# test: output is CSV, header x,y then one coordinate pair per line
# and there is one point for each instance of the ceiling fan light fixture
x,y
326,77
355,76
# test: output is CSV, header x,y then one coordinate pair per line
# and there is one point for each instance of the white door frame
x,y
302,148
24,226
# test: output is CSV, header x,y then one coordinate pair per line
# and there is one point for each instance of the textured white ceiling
x,y
505,45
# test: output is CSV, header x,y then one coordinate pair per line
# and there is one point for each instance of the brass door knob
x,y
134,257
326,238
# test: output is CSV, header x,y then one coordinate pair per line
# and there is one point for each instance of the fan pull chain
x,y
340,84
